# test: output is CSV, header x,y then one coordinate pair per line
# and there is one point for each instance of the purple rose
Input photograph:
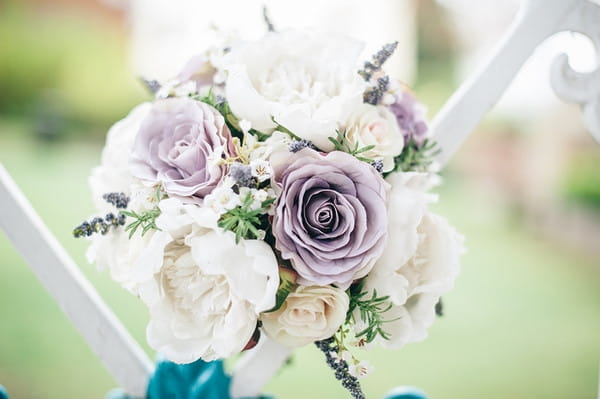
x,y
178,145
410,115
331,216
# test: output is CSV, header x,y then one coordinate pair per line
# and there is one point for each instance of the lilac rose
x,y
179,144
331,216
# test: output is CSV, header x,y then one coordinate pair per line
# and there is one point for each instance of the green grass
x,y
522,322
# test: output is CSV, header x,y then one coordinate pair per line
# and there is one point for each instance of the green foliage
x,y
233,123
281,128
287,284
72,67
145,220
581,183
370,311
342,144
416,158
245,222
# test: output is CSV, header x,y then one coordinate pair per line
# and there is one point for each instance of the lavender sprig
x,y
99,225
297,145
153,86
242,175
340,367
374,94
118,200
267,19
377,61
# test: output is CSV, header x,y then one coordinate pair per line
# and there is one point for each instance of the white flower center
x,y
192,291
296,82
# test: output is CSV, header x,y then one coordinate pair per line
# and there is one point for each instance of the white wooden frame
x,y
122,356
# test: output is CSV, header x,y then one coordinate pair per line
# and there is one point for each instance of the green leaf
x,y
287,284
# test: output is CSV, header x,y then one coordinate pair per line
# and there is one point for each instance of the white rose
x,y
113,173
308,314
421,281
306,81
376,125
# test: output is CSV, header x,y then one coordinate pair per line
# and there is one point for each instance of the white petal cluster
x,y
419,265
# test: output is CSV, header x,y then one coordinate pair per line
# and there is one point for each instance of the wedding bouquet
x,y
276,187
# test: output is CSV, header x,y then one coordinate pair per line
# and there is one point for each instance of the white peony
x,y
420,282
306,81
376,125
309,314
205,299
113,173
408,202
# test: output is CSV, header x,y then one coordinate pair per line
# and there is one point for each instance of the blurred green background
x,y
522,322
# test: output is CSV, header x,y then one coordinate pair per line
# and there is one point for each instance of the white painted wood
x,y
256,368
101,329
536,21
577,87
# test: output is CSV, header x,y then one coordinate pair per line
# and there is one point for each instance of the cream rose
x,y
305,81
377,126
309,314
419,282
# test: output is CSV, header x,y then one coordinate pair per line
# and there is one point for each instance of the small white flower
x,y
185,89
261,170
341,355
222,199
261,195
245,125
360,369
228,181
216,157
258,196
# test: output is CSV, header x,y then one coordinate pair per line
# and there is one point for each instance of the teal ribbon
x,y
405,393
197,380
206,380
